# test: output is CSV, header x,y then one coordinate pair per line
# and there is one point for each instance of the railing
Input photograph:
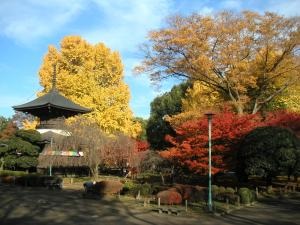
x,y
50,124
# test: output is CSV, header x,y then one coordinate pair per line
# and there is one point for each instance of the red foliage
x,y
8,131
285,119
190,144
142,145
169,197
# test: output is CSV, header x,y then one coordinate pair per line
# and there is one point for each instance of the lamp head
x,y
209,114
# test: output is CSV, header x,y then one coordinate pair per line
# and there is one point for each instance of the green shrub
x,y
145,189
4,173
245,195
252,196
215,190
222,189
129,188
230,190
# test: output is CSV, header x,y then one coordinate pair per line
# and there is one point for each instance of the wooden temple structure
x,y
52,109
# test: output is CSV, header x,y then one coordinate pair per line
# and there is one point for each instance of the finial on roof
x,y
54,77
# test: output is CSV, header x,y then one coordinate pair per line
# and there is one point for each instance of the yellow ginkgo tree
x,y
91,76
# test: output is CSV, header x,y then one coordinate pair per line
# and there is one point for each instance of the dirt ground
x,y
34,206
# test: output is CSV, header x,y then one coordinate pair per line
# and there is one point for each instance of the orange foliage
x,y
8,131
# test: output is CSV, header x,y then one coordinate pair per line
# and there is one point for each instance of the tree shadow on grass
x,y
41,206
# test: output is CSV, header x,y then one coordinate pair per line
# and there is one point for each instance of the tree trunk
x,y
94,171
239,110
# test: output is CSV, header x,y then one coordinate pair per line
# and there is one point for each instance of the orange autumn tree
x,y
190,143
249,59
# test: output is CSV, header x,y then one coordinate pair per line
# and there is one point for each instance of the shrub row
x,y
4,173
33,180
131,188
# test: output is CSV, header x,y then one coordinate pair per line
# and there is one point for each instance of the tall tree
x,y
92,76
289,100
199,98
86,137
247,58
168,104
143,133
189,144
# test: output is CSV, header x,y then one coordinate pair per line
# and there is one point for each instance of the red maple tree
x,y
190,143
285,119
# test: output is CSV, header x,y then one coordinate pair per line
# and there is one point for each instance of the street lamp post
x,y
209,117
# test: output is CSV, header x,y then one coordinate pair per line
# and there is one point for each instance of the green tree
x,y
168,104
269,151
20,150
143,122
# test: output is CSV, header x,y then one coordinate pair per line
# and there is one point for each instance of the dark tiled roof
x,y
53,99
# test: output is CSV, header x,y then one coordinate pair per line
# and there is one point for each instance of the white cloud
x,y
232,4
206,11
286,8
28,20
127,22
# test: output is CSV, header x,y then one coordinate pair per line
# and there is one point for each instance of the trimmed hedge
x,y
169,197
131,188
108,187
25,179
247,195
4,173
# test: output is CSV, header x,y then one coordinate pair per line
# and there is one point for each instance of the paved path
x,y
35,206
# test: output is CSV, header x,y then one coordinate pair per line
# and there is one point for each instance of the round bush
x,y
145,189
186,191
245,195
108,187
169,197
129,188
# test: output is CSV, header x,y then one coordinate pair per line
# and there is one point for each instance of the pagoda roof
x,y
52,100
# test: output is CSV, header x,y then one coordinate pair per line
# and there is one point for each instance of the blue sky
x,y
29,26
